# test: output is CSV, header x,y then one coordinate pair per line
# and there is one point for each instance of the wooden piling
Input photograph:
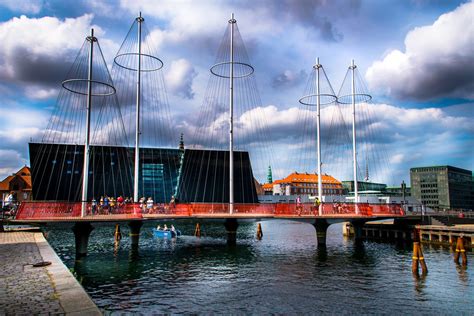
x,y
117,234
259,232
197,231
414,264
460,251
421,259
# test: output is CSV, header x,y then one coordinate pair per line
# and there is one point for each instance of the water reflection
x,y
463,274
284,273
420,283
322,254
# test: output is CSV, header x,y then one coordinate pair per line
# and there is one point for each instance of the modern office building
x,y
397,191
443,187
363,186
190,175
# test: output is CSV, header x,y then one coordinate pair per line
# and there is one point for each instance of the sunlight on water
x,y
283,273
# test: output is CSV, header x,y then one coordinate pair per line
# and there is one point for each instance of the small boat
x,y
160,233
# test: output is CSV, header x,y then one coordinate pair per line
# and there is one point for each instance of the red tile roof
x,y
24,173
5,184
296,177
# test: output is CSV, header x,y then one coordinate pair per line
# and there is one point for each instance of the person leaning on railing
x,y
93,206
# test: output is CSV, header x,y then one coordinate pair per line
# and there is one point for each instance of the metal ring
x,y
365,98
65,82
235,63
331,97
143,55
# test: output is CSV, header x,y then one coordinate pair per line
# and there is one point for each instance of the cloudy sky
x,y
416,57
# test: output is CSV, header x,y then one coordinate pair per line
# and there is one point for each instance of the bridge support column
x,y
135,232
321,226
231,226
358,230
82,231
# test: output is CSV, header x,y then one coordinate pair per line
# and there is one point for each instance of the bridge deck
x,y
46,212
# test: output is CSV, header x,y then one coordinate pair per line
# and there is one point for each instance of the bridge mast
x,y
85,170
318,132
355,96
139,20
231,117
354,152
226,69
317,97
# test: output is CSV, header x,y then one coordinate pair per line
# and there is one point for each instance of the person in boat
x,y
158,227
165,227
173,229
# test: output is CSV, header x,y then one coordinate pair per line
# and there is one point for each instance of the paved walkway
x,y
25,290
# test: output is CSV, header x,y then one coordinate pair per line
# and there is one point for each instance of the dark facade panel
x,y
56,171
205,177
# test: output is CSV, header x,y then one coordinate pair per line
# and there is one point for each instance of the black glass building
x,y
190,175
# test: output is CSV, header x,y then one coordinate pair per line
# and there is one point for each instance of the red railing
x,y
339,209
57,210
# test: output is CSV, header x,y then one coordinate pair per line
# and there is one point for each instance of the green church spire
x,y
269,175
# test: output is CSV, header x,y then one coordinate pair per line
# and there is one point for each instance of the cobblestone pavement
x,y
24,290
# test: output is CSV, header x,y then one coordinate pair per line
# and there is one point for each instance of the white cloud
x,y
179,78
438,60
36,53
23,6
44,36
10,162
40,93
393,132
17,126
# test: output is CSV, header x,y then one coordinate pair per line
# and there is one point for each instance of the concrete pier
x,y
82,231
231,226
26,290
447,235
358,226
388,231
321,226
135,227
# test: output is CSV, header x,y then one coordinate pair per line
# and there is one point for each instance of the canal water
x,y
284,273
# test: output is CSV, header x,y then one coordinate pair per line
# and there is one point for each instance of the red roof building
x,y
303,184
19,182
